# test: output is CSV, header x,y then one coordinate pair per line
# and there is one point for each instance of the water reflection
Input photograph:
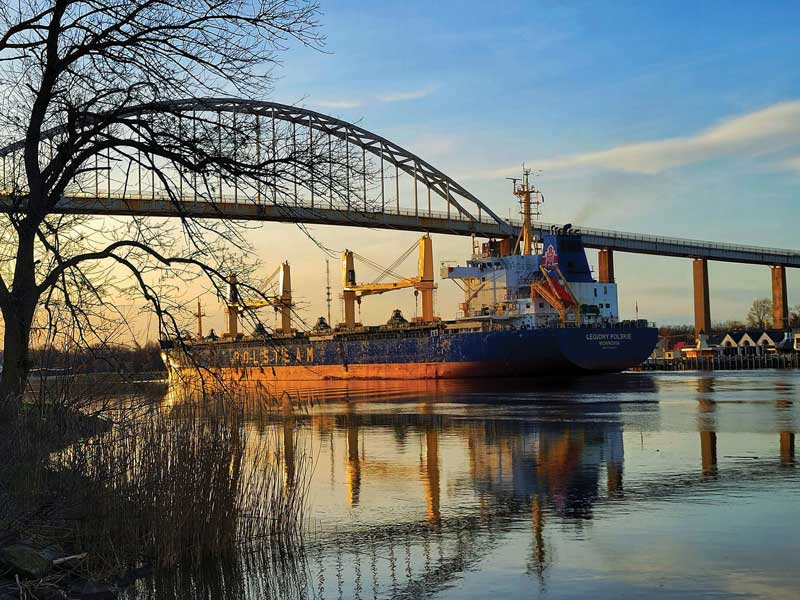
x,y
459,489
787,448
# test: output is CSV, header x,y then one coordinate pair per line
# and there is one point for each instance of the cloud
x,y
790,164
336,104
771,129
407,95
398,96
432,147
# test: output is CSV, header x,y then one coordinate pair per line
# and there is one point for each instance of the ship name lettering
x,y
264,355
310,354
608,336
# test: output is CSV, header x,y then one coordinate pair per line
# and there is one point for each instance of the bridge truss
x,y
310,161
310,168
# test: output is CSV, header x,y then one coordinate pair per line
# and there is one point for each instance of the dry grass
x,y
171,486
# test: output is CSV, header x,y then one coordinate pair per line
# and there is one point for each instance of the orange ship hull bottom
x,y
390,371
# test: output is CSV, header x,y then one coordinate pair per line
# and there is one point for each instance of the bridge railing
x,y
666,240
375,209
229,200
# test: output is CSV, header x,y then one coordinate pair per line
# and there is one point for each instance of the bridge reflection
x,y
484,477
416,484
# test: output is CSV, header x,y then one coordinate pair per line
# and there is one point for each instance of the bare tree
x,y
760,313
90,93
794,317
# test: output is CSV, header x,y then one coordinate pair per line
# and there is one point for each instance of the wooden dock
x,y
723,363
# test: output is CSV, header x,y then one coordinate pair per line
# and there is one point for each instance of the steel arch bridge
x,y
314,128
400,190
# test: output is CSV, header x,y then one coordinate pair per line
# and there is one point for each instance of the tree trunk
x,y
18,315
16,365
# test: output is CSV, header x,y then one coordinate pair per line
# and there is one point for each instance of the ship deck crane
x,y
282,302
352,292
557,293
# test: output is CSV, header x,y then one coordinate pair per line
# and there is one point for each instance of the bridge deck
x,y
409,220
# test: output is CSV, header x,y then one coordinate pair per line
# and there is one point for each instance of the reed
x,y
165,485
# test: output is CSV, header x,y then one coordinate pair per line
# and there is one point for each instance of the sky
x,y
673,118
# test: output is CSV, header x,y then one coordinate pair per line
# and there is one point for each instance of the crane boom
x,y
423,283
371,289
282,302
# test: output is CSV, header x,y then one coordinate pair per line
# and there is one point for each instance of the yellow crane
x,y
282,302
422,283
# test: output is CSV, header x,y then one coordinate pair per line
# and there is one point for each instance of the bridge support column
x,y
780,303
606,266
702,302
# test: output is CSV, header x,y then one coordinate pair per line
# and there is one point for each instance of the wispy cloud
x,y
790,164
769,130
336,104
434,147
397,96
401,96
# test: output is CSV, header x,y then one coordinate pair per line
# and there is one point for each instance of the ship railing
x,y
624,324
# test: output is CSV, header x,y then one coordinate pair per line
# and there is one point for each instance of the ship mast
x,y
529,198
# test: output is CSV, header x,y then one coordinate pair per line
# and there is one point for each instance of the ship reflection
x,y
423,481
479,478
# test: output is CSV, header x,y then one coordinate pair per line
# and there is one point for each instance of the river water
x,y
667,485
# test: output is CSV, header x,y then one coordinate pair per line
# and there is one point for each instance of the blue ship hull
x,y
424,353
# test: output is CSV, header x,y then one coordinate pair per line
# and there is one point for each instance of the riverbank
x,y
723,363
90,502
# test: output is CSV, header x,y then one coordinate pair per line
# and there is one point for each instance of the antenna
x,y
328,287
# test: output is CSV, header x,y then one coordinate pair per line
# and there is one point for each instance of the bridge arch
x,y
467,206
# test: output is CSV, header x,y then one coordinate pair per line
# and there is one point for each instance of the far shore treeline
x,y
98,359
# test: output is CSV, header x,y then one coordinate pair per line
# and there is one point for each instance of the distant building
x,y
747,342
751,341
701,350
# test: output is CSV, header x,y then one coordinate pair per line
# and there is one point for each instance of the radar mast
x,y
530,199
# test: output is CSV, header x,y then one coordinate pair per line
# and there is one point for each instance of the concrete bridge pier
x,y
702,300
780,302
606,266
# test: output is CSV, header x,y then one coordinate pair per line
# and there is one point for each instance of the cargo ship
x,y
531,307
